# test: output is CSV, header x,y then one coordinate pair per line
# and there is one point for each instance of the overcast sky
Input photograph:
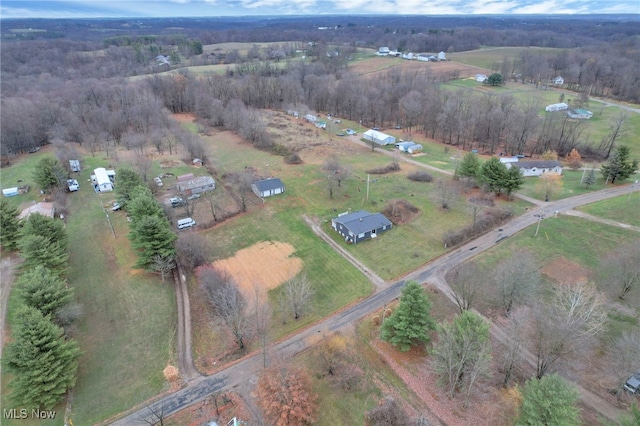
x,y
200,8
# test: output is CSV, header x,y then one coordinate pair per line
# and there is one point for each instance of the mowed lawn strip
x,y
127,330
622,209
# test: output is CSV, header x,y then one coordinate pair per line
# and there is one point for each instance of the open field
x,y
621,209
491,58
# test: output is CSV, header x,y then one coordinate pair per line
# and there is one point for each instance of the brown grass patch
x,y
265,265
563,270
400,211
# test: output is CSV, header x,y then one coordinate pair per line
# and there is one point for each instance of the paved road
x,y
247,367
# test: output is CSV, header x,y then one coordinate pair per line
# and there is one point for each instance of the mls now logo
x,y
23,413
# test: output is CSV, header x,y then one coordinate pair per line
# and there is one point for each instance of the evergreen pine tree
x,y
143,203
152,236
128,180
411,321
43,363
493,174
513,180
549,401
9,225
41,289
38,250
37,224
49,174
590,179
469,166
619,167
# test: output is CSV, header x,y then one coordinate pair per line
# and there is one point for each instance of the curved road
x,y
245,368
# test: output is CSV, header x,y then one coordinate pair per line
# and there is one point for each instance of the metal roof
x,y
540,164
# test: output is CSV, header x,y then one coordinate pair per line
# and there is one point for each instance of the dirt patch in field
x,y
266,265
400,211
184,117
563,270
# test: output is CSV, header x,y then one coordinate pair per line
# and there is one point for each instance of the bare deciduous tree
x,y
621,270
514,343
467,281
516,279
298,295
622,357
575,313
193,250
163,265
387,413
228,303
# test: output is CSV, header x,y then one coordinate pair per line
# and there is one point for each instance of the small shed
x,y
267,187
480,78
537,167
414,149
196,185
442,56
505,160
74,165
361,225
10,192
379,137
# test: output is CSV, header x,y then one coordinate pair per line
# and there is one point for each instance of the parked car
x,y
376,128
73,185
176,201
115,206
186,223
193,197
339,134
633,384
351,132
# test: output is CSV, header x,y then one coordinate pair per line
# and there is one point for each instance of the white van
x,y
186,223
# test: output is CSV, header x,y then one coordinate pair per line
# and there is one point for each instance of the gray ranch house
x,y
537,167
267,187
361,225
196,185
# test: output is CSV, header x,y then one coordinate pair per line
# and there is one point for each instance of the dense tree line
x,y
41,356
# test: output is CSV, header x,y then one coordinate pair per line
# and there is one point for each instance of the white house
x,y
311,118
102,179
383,51
558,81
267,187
196,185
408,56
556,107
421,57
379,137
402,146
537,167
74,165
580,113
480,78
441,56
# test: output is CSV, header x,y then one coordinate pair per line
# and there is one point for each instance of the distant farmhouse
x,y
383,51
537,167
558,81
379,137
267,187
480,78
360,226
581,114
556,107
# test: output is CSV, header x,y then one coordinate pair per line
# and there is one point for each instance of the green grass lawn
x,y
621,209
568,186
582,241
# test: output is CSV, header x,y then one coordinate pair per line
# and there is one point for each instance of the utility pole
x,y
368,186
